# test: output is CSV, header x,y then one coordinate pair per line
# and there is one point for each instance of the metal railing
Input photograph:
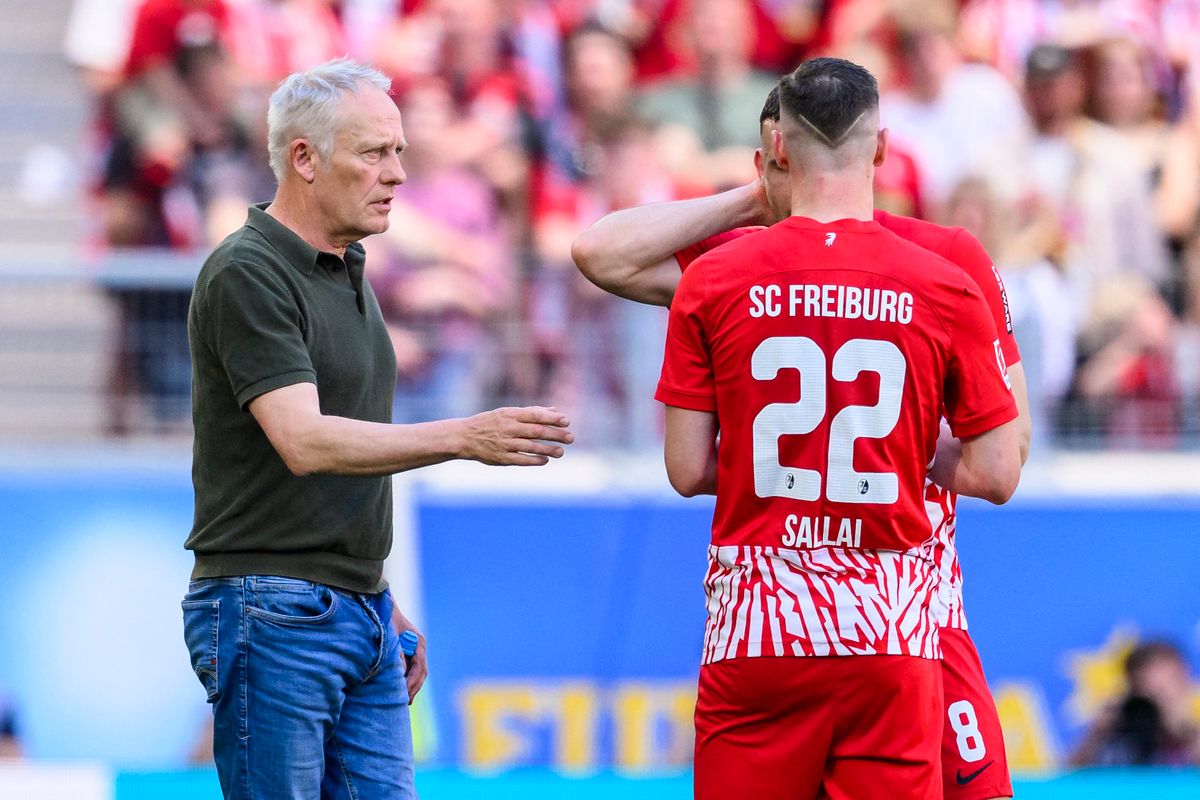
x,y
95,348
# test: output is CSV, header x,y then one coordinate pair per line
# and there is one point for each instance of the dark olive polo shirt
x,y
269,311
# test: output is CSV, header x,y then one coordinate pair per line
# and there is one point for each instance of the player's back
x,y
831,347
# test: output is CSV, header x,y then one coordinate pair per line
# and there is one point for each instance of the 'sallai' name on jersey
x,y
830,300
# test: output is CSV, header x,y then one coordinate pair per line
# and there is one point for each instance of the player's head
x,y
829,121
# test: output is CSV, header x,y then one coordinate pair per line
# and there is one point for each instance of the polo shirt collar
x,y
299,253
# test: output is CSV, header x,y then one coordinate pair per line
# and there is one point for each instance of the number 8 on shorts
x,y
965,725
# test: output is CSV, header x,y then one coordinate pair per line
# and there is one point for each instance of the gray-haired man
x,y
291,628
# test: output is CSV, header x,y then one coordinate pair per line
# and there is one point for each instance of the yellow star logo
x,y
1099,674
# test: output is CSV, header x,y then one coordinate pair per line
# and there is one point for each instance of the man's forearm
x,y
341,446
615,249
310,442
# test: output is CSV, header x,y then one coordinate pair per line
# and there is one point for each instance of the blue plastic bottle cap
x,y
408,642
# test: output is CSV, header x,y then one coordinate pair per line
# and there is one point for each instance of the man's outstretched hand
x,y
527,437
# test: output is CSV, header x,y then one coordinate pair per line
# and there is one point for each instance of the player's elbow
x,y
689,479
1000,481
692,489
587,251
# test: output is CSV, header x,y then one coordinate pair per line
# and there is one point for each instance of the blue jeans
x,y
307,688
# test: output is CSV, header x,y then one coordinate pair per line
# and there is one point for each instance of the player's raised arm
x,y
631,253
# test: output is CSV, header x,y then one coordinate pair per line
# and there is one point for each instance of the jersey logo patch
x,y
829,237
1002,365
963,780
1004,300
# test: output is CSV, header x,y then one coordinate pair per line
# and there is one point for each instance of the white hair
x,y
305,107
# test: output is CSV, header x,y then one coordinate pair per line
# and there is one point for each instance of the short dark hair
x,y
829,95
770,112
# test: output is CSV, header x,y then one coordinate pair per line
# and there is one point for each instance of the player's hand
x,y
528,436
763,206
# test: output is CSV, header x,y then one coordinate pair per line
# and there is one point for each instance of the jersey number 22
x,y
844,484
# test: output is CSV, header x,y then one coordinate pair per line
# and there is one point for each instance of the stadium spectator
x,y
1090,177
1044,328
10,734
171,115
467,43
601,352
1125,96
726,90
957,119
293,499
1152,723
445,276
1093,216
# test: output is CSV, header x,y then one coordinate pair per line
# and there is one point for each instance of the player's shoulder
x,y
733,252
941,239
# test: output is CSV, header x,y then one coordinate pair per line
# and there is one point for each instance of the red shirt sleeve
x,y
687,255
978,396
687,373
966,251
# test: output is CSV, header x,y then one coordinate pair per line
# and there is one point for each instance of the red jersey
x,y
164,28
956,245
964,250
828,352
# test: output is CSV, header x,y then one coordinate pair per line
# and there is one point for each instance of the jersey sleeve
x,y
687,255
252,323
978,396
687,373
966,251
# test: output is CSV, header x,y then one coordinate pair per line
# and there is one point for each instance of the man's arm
x,y
690,451
948,445
310,442
631,253
987,466
1020,389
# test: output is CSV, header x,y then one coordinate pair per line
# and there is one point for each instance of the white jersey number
x,y
965,725
846,485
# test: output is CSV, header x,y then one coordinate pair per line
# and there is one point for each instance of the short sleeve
x,y
687,255
966,251
687,374
978,396
254,325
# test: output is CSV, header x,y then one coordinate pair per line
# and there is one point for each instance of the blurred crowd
x,y
1065,134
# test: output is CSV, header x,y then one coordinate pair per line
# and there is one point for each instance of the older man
x,y
288,617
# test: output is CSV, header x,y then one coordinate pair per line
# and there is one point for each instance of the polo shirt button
x,y
337,267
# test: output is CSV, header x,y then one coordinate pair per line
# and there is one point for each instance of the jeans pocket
x,y
307,604
201,625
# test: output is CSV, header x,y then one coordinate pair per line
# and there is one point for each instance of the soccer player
x,y
639,254
824,350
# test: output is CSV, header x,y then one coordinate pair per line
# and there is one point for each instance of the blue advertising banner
x,y
564,632
568,633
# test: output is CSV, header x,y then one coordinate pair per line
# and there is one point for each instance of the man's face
x,y
773,175
354,186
